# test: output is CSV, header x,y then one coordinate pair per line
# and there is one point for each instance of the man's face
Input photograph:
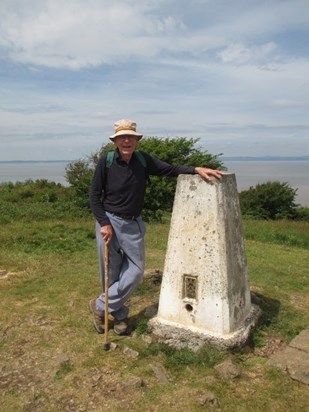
x,y
126,144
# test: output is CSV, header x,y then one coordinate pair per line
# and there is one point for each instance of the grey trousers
x,y
126,263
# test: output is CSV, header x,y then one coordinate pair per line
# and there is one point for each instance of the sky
x,y
233,74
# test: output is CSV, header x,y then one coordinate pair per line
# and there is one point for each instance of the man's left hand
x,y
206,174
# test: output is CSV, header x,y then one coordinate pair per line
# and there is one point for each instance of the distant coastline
x,y
36,161
249,171
223,158
264,158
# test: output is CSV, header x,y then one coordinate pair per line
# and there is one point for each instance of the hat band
x,y
125,128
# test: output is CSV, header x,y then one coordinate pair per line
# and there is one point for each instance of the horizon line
x,y
244,157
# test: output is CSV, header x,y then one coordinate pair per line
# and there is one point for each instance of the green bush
x,y
37,200
271,200
34,191
79,174
302,213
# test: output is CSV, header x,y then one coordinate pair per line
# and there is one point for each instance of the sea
x,y
249,172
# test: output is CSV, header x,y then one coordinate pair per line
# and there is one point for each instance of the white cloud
x,y
80,34
240,54
199,68
77,34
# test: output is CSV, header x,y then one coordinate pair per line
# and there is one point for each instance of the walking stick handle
x,y
106,284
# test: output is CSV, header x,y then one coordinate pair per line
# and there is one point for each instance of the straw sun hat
x,y
125,127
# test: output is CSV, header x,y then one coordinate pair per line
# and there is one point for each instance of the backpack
x,y
110,158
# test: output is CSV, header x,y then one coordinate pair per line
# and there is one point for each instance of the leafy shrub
x,y
37,200
302,213
34,191
79,174
271,200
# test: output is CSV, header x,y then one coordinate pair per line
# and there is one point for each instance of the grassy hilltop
x,y
51,358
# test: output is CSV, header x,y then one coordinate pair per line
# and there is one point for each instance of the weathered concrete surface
x,y
294,359
205,293
179,336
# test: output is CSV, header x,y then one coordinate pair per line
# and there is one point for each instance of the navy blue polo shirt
x,y
121,188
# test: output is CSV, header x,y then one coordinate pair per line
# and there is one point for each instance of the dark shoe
x,y
120,326
98,318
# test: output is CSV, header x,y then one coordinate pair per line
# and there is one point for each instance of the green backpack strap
x,y
141,158
110,158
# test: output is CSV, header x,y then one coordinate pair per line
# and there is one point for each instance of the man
x,y
116,199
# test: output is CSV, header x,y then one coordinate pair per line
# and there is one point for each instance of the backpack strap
x,y
110,158
141,158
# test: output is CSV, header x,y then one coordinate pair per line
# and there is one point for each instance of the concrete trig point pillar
x,y
205,296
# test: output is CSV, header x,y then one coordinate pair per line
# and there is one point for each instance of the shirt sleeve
x,y
96,192
157,167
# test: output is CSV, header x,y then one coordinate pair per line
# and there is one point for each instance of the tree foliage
x,y
160,191
79,174
270,200
177,151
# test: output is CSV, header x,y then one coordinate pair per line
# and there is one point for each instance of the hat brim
x,y
126,132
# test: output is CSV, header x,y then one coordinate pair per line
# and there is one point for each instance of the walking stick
x,y
106,281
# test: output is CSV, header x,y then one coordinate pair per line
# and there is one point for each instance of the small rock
x,y
208,398
135,383
96,378
228,370
131,353
159,372
147,339
113,346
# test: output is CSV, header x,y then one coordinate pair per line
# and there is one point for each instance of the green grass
x,y
206,357
282,232
44,314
